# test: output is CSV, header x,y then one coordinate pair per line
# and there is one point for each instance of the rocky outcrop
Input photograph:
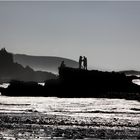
x,y
92,83
74,82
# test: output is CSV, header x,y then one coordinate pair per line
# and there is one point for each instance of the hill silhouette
x,y
45,63
10,70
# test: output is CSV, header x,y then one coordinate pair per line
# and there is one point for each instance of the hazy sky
x,y
108,33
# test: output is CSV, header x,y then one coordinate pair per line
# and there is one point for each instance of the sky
x,y
106,32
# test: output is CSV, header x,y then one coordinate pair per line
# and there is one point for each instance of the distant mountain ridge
x,y
44,63
10,70
51,63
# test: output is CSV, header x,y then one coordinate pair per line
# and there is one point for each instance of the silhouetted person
x,y
85,63
80,62
62,64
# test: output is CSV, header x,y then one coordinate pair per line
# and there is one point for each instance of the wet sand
x,y
35,125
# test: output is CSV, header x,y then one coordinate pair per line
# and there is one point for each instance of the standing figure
x,y
80,62
62,64
85,63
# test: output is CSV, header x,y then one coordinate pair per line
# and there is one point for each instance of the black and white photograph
x,y
69,69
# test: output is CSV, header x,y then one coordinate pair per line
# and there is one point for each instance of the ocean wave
x,y
15,104
98,111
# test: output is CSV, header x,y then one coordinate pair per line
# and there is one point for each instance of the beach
x,y
61,118
40,126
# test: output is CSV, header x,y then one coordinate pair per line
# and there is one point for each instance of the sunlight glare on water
x,y
4,85
68,106
74,107
136,81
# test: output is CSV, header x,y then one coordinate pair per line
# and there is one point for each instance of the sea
x,y
102,108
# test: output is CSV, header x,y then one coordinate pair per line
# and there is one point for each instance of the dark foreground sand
x,y
34,125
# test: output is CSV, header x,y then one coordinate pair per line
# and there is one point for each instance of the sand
x,y
35,125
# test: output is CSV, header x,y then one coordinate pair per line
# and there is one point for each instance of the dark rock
x,y
74,82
